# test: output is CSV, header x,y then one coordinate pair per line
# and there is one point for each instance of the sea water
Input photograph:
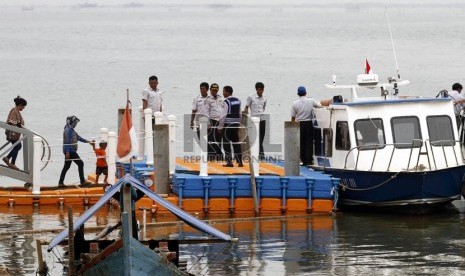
x,y
79,58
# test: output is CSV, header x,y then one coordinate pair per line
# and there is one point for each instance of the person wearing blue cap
x,y
302,111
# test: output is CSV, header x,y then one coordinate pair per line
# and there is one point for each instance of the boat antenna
x,y
392,42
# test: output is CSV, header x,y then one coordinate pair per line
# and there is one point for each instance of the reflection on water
x,y
347,244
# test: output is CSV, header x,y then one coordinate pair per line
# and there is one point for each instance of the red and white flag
x,y
367,67
127,140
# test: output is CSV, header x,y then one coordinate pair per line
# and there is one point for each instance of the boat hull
x,y
370,188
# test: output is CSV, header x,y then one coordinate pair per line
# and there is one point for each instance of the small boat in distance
x,y
390,150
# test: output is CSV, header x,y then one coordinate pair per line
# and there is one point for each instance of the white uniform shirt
x,y
154,99
456,96
215,106
257,105
201,107
302,109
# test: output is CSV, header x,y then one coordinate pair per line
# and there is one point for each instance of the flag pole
x,y
131,166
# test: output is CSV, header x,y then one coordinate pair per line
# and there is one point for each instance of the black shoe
x,y
61,185
228,165
240,165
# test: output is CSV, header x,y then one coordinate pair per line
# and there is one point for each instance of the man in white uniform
x,y
257,104
200,107
152,97
214,140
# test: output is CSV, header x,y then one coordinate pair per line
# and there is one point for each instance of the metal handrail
x,y
416,143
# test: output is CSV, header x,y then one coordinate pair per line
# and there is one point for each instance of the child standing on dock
x,y
101,165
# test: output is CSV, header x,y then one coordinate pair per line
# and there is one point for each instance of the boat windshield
x,y
369,133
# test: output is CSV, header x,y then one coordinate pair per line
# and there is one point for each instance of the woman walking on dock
x,y
70,140
15,119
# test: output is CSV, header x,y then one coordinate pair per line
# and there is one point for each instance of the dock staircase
x,y
27,138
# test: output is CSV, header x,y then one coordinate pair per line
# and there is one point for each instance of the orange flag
x,y
127,140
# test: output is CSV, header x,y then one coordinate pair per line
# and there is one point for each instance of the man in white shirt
x,y
214,140
152,96
459,100
200,107
257,104
302,111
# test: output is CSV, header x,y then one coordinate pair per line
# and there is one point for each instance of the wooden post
x,y
127,206
71,260
161,158
291,148
40,258
244,123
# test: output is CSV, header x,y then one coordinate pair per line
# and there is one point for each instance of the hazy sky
x,y
234,2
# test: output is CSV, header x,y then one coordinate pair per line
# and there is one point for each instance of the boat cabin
x,y
387,134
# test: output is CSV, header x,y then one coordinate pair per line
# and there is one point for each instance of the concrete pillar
x,y
36,165
172,138
148,136
255,145
161,158
111,157
291,148
158,118
141,134
203,146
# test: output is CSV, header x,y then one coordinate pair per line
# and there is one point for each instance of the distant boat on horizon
x,y
87,5
133,5
27,8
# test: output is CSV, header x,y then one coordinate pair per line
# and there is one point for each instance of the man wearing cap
x,y
302,112
214,140
230,120
200,107
257,104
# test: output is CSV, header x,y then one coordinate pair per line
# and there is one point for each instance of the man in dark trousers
x,y
229,127
214,140
302,111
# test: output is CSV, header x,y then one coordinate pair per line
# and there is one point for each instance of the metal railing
x,y
416,144
27,138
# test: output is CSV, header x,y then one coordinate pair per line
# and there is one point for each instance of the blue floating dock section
x,y
310,185
140,169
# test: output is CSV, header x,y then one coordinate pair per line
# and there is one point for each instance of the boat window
x,y
328,141
406,132
440,130
369,134
318,142
342,135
